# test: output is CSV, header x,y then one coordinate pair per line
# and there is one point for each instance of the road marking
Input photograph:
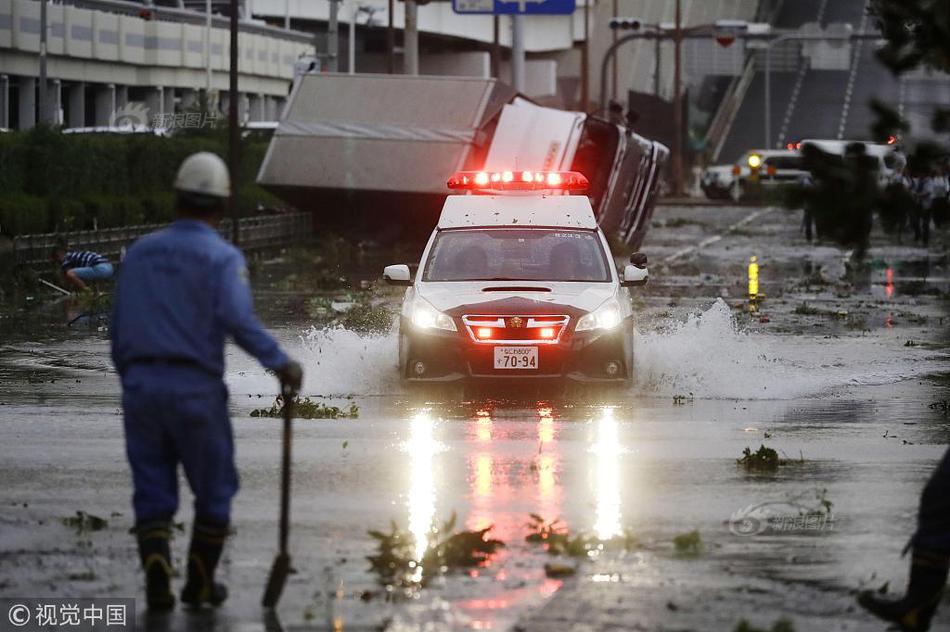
x,y
711,240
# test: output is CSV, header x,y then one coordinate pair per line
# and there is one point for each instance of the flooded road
x,y
842,371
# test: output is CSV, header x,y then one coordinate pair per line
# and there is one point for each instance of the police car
x,y
517,283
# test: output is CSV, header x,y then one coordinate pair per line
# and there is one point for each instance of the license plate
x,y
516,358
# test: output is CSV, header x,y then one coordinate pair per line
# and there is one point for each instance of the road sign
x,y
513,7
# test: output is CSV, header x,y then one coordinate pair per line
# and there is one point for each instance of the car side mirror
x,y
397,275
638,259
635,275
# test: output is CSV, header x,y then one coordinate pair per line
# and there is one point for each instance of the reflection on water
x,y
421,447
606,451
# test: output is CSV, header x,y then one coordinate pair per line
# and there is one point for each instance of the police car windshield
x,y
523,254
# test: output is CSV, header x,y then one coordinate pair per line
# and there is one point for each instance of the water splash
x,y
340,361
709,356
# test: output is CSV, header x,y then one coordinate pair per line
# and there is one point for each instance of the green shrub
x,y
51,181
22,214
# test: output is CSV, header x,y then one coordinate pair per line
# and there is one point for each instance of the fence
x,y
254,233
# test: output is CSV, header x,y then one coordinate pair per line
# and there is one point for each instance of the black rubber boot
x,y
207,541
913,612
153,539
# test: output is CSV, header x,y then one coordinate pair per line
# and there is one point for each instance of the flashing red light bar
x,y
518,181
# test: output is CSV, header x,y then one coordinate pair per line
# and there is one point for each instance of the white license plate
x,y
516,358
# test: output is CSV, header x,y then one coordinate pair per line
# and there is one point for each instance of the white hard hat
x,y
204,173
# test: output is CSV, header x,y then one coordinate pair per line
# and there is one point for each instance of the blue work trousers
x,y
178,415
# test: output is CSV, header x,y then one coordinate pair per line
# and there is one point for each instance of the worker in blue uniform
x,y
181,292
930,560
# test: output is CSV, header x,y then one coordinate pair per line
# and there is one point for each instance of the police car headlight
x,y
605,317
424,316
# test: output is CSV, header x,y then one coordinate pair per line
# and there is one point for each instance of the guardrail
x,y
255,233
171,14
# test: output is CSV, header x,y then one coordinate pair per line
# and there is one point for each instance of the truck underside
x,y
369,155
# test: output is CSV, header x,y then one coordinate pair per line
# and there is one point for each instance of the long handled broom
x,y
281,567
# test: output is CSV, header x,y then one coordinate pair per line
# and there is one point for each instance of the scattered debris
x,y
941,406
308,409
83,522
910,343
557,539
782,625
682,400
368,317
806,310
558,571
688,544
762,460
447,550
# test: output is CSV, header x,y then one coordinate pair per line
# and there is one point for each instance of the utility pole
x,y
333,37
287,14
677,105
391,39
517,52
656,71
234,133
585,60
410,44
44,88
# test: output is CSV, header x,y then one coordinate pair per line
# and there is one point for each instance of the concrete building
x,y
158,59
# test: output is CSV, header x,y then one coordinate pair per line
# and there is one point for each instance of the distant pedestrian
x,y
81,267
930,559
923,189
181,292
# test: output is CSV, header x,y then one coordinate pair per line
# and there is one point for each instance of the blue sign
x,y
512,7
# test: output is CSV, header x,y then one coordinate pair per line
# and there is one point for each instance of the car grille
x,y
515,329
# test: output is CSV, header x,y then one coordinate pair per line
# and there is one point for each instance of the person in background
x,y
181,292
82,267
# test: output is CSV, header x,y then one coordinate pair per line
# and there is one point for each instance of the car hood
x,y
581,296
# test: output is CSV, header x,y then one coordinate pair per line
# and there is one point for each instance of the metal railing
x,y
171,14
255,233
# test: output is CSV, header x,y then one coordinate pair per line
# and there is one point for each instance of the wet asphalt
x,y
841,369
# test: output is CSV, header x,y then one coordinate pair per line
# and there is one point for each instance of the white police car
x,y
517,283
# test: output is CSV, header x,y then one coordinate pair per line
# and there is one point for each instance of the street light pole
x,y
351,44
44,94
677,105
208,54
496,47
391,40
613,78
585,59
333,36
410,44
517,52
234,133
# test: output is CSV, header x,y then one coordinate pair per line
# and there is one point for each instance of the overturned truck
x,y
370,154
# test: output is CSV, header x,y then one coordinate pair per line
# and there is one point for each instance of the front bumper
x,y
578,357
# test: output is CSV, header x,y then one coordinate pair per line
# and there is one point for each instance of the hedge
x,y
55,182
